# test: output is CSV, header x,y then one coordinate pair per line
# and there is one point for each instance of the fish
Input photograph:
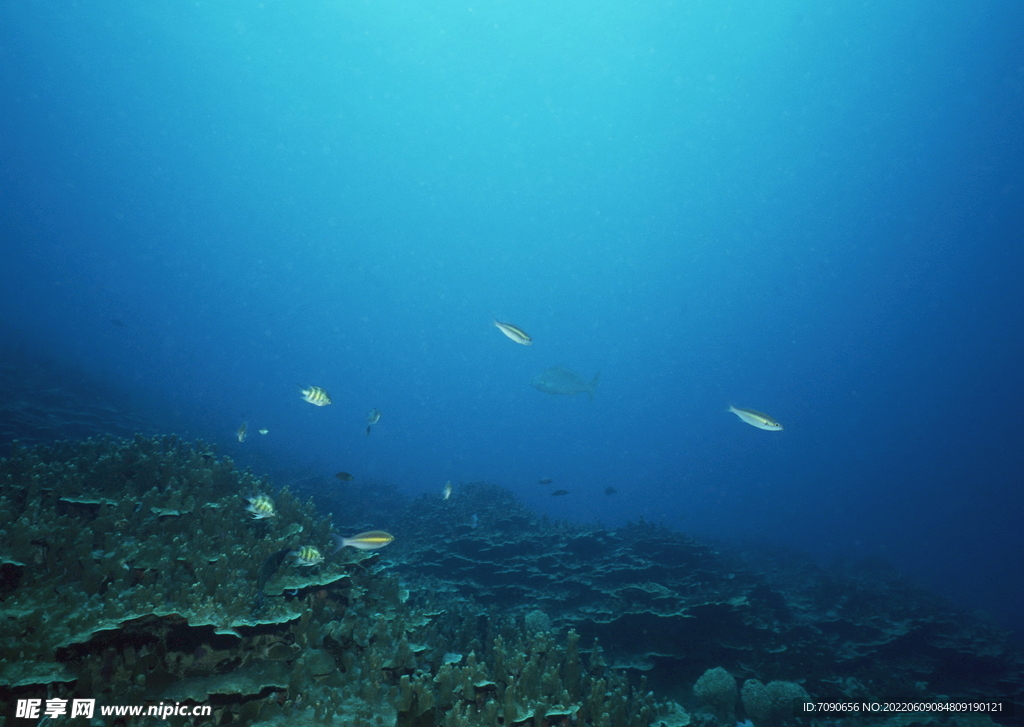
x,y
264,431
307,555
267,569
560,380
344,476
610,490
756,419
559,493
370,540
447,492
516,333
545,481
372,418
316,396
261,507
243,431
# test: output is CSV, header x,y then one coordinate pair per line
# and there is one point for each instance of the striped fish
x,y
307,555
516,333
260,506
316,396
370,540
756,419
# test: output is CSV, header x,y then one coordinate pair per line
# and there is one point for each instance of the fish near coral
x,y
307,555
260,507
370,540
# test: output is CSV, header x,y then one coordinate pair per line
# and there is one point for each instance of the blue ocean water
x,y
810,209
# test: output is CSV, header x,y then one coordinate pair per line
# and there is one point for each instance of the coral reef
x,y
667,606
130,574
717,689
133,572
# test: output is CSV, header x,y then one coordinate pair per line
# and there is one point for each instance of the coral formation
x,y
130,574
717,689
671,608
772,703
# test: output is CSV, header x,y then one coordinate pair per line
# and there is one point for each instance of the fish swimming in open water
x,y
316,396
559,493
243,431
447,492
756,419
370,540
516,333
344,476
560,380
372,418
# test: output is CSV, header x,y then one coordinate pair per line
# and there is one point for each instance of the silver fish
x,y
560,380
756,419
516,333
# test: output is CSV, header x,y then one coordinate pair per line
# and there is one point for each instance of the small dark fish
x,y
545,481
559,493
266,572
118,322
344,476
610,490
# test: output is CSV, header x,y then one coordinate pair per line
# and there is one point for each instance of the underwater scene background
x,y
811,210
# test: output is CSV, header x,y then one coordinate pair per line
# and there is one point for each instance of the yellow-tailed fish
x,y
447,492
756,419
260,506
243,431
516,333
316,396
370,540
307,555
